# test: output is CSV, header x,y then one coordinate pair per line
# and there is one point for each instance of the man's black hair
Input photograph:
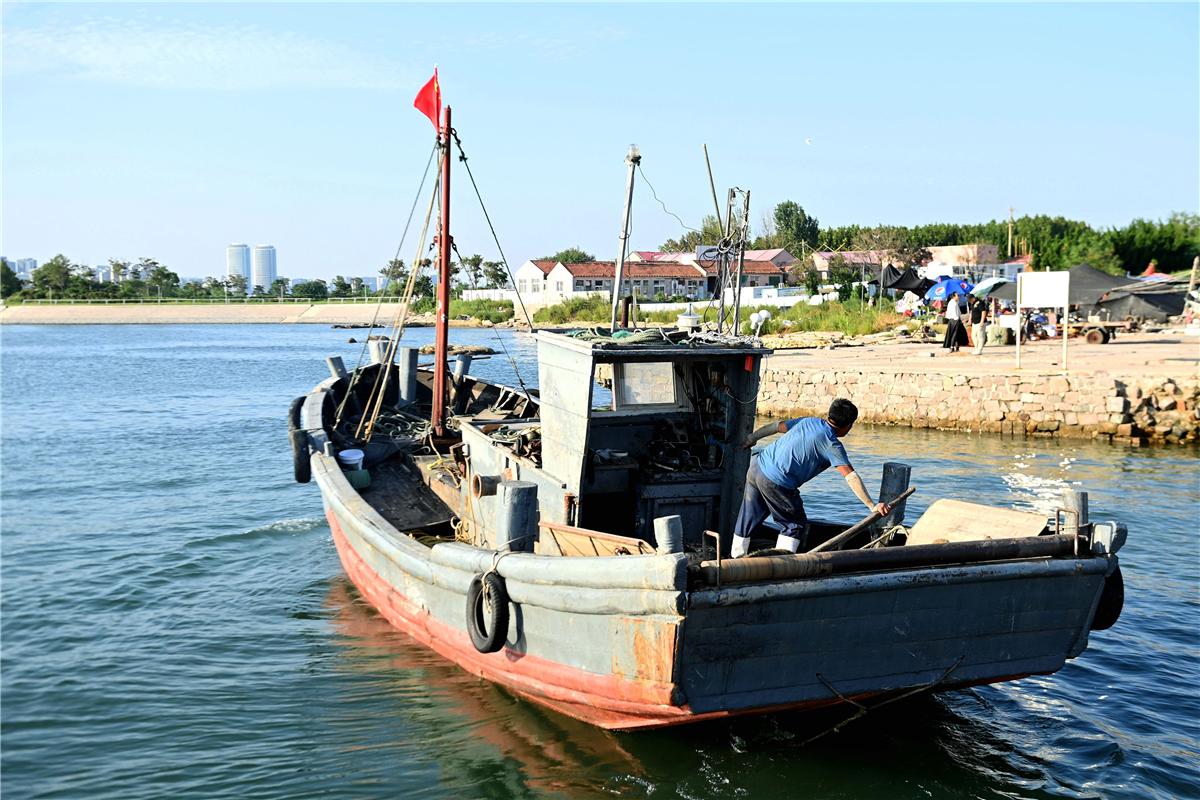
x,y
842,412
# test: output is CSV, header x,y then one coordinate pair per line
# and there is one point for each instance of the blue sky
x,y
171,130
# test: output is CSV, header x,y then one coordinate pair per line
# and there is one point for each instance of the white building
x,y
237,261
263,266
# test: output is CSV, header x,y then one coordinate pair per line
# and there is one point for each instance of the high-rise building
x,y
237,262
263,272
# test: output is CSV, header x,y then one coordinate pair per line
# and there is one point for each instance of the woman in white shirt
x,y
956,335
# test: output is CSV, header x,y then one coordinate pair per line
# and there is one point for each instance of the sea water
x,y
175,621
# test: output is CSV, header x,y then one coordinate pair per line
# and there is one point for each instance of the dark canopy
x,y
905,281
1088,285
1151,305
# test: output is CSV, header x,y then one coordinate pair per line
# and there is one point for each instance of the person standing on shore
x,y
808,447
955,332
979,315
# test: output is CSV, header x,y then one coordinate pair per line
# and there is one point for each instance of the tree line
x,y
1051,242
147,278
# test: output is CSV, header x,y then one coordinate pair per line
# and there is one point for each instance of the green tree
x,y
495,274
572,255
710,233
315,290
236,285
279,287
10,284
162,281
473,267
812,281
340,288
53,277
797,231
119,269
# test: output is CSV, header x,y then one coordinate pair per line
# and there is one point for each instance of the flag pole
x,y
442,314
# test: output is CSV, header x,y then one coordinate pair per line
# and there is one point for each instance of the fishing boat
x,y
571,542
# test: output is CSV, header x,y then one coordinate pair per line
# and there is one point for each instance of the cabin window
x,y
645,384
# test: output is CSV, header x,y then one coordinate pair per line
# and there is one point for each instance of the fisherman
x,y
808,447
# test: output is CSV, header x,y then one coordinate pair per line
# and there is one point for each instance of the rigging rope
x,y
462,156
383,376
379,305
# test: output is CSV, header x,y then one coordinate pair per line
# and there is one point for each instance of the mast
x,y
633,158
442,315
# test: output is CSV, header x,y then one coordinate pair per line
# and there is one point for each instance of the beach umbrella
x,y
986,287
948,286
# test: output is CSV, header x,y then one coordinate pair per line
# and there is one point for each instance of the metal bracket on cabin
x,y
717,536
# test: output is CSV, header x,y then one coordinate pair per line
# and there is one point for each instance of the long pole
x,y
713,186
441,345
632,158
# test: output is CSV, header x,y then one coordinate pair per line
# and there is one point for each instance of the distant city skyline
x,y
863,114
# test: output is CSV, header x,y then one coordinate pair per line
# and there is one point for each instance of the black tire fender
x,y
487,593
294,413
301,465
1112,600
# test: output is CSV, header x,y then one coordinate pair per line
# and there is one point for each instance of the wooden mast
x,y
440,352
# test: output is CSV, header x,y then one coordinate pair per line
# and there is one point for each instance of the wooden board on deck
x,y
960,521
567,540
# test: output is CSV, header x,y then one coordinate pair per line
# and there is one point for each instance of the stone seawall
x,y
1135,410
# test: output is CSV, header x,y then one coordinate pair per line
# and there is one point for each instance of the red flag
x,y
429,100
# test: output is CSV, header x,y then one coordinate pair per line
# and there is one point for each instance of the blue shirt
x,y
807,449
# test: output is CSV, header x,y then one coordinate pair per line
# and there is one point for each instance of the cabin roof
x,y
604,350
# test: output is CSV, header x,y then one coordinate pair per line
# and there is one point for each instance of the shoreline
x,y
1139,389
215,314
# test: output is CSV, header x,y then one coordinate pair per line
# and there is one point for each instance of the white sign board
x,y
1043,289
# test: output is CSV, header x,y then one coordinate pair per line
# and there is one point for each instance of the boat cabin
x,y
626,433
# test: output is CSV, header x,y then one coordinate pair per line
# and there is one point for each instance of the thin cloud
x,y
188,56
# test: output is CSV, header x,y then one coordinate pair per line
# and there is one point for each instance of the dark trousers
x,y
762,498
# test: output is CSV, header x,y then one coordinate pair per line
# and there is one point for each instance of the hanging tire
x,y
1112,600
301,465
487,598
294,413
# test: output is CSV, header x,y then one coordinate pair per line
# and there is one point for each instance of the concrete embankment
x,y
1136,390
191,314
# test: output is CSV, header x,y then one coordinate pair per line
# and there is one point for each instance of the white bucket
x,y
350,459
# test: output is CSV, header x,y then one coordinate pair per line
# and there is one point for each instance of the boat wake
x,y
284,527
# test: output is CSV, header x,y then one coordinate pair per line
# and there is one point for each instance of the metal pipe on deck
x,y
668,534
809,565
378,349
408,374
516,516
337,367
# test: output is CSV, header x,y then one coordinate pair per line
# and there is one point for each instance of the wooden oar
x,y
849,533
